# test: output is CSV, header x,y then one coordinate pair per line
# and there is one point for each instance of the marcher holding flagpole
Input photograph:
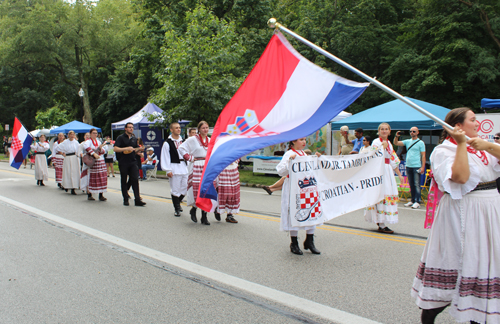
x,y
386,211
194,150
41,170
296,149
71,166
460,265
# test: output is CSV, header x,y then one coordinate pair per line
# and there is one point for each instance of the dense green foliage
x,y
190,56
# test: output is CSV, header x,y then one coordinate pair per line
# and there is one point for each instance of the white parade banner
x,y
325,187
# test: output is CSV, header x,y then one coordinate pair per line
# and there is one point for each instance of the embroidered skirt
x,y
229,190
385,211
461,260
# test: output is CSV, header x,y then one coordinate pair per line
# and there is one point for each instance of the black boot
x,y
429,315
38,182
101,197
294,246
193,214
204,219
59,185
217,216
41,183
73,192
309,244
89,197
175,201
180,200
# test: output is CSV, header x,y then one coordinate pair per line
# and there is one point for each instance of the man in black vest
x,y
174,165
126,148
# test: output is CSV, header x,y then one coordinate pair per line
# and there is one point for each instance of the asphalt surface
x,y
65,259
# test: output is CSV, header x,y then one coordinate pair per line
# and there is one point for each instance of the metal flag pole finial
x,y
272,23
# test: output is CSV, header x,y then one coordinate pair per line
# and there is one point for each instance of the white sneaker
x,y
408,204
415,206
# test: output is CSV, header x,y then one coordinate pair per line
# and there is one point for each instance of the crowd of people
x,y
460,264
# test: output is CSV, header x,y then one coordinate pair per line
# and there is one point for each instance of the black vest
x,y
174,155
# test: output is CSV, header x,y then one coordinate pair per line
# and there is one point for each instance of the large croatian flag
x,y
284,97
21,141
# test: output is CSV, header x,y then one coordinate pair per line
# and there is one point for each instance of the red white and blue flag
x,y
21,141
284,97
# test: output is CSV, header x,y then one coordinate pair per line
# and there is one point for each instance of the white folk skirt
x,y
71,172
385,211
461,260
41,169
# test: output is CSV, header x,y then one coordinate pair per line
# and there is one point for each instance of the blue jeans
x,y
414,182
146,167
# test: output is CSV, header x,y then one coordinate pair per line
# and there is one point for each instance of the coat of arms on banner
x,y
308,204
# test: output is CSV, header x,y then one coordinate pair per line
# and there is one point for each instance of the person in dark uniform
x,y
127,148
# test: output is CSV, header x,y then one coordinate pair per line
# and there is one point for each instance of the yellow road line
x,y
387,237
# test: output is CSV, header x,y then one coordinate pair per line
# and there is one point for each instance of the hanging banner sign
x,y
330,186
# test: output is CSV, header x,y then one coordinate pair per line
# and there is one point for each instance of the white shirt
x,y
166,165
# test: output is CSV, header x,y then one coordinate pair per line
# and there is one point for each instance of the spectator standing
x,y
415,164
346,145
357,143
109,157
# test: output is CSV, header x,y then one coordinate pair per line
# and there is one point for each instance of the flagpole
x,y
272,23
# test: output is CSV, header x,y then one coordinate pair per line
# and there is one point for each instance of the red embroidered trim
x,y
301,153
95,143
472,150
388,149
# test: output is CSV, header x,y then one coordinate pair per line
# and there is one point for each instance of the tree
x,y
53,116
201,68
74,40
447,55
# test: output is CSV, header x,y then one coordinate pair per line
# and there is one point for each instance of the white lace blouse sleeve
x,y
282,167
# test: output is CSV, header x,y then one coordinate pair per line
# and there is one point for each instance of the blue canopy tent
x,y
76,126
398,114
490,103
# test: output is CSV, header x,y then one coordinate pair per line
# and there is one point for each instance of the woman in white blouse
x,y
41,170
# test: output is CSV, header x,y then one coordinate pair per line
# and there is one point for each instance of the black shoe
x,y
217,216
59,185
230,219
267,189
204,219
38,182
193,214
73,192
140,203
125,203
102,198
385,230
294,246
89,197
309,244
41,183
65,189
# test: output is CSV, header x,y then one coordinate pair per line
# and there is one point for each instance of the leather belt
x,y
486,186
70,154
40,153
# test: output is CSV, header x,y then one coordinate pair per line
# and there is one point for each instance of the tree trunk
x,y
87,113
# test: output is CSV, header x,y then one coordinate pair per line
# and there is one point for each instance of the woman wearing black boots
x,y
41,170
296,149
194,150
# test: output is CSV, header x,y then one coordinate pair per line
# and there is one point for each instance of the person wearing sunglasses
x,y
415,164
497,138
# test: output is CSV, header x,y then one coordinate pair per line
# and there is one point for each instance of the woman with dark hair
x,y
460,265
194,150
41,170
367,142
94,179
296,149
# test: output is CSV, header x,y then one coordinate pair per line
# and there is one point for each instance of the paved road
x,y
65,259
